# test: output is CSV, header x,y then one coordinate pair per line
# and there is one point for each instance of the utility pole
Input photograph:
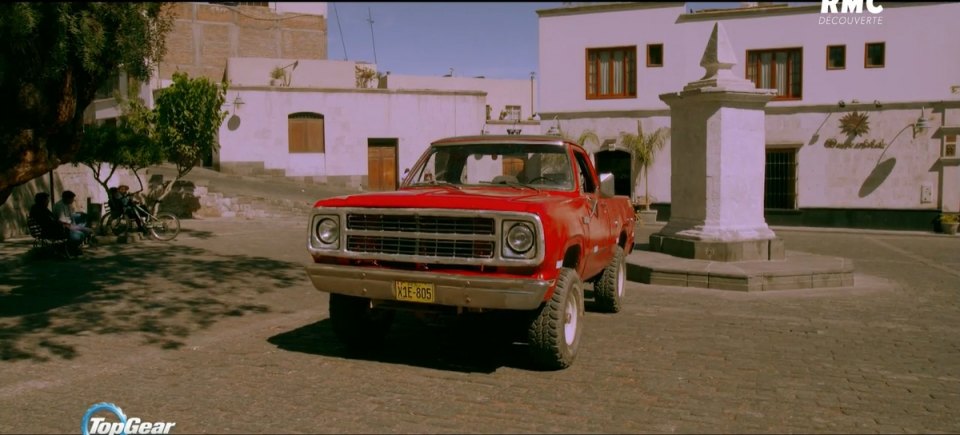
x,y
373,38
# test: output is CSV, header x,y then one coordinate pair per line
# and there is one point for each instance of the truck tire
x,y
356,324
609,289
554,333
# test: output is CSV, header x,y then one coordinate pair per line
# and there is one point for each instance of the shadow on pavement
x,y
468,344
197,234
157,291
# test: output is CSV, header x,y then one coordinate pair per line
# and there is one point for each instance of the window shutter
x,y
297,136
314,130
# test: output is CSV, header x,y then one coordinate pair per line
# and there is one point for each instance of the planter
x,y
950,228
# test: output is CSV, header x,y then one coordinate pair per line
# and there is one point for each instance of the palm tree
x,y
644,148
588,135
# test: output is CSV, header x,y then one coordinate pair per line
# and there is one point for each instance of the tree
x,y
188,117
129,142
644,148
143,148
53,58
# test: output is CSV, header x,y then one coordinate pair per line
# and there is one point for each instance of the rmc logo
x,y
849,7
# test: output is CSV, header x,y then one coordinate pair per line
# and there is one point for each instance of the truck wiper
x,y
438,183
516,184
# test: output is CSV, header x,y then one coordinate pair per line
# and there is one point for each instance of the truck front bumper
x,y
450,289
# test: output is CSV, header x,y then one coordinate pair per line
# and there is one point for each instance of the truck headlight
x,y
327,231
520,238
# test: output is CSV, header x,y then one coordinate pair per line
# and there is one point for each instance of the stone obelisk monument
x,y
717,163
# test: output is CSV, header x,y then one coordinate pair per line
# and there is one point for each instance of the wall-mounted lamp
x,y
842,104
237,102
921,125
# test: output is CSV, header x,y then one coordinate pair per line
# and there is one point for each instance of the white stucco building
x,y
845,142
318,123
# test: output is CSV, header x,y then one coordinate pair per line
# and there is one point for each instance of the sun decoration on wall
x,y
855,124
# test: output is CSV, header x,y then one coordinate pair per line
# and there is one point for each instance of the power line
x,y
373,38
342,41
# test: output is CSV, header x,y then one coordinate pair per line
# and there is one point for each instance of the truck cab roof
x,y
503,138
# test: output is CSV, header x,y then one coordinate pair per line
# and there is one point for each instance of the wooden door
x,y
382,164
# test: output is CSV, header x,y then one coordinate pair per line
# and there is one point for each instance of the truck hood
x,y
476,198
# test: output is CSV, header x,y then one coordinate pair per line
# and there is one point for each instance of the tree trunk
x,y
35,160
45,138
646,189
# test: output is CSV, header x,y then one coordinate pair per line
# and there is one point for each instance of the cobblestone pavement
x,y
220,331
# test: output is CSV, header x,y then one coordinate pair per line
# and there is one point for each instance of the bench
x,y
56,245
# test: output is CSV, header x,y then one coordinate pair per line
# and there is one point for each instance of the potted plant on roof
x,y
644,148
277,76
949,223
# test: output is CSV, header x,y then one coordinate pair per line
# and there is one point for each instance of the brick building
x,y
204,35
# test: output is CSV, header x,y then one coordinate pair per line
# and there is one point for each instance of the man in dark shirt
x,y
50,227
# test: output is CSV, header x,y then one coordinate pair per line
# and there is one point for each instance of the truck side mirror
x,y
606,186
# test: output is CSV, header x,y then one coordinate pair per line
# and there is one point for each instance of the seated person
x,y
75,222
114,202
50,227
126,201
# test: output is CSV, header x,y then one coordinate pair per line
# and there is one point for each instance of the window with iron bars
x,y
780,187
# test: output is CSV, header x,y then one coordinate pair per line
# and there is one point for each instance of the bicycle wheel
x,y
115,225
103,228
165,227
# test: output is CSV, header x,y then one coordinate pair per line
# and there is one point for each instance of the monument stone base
x,y
797,271
749,250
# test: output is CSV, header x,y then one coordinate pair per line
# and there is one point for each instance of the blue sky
x,y
496,40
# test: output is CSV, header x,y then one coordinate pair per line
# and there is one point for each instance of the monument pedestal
x,y
717,236
740,250
717,160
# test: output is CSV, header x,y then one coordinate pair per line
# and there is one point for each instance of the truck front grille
x,y
432,236
426,247
420,224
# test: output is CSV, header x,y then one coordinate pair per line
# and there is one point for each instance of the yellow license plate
x,y
414,291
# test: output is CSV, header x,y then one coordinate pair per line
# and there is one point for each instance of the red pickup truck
x,y
503,223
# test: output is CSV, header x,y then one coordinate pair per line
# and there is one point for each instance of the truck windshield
x,y
539,166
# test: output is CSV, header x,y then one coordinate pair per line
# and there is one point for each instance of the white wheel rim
x,y
570,322
621,278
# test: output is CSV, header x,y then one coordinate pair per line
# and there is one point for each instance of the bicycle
x,y
163,226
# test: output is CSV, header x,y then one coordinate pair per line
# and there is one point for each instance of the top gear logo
x,y
91,425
